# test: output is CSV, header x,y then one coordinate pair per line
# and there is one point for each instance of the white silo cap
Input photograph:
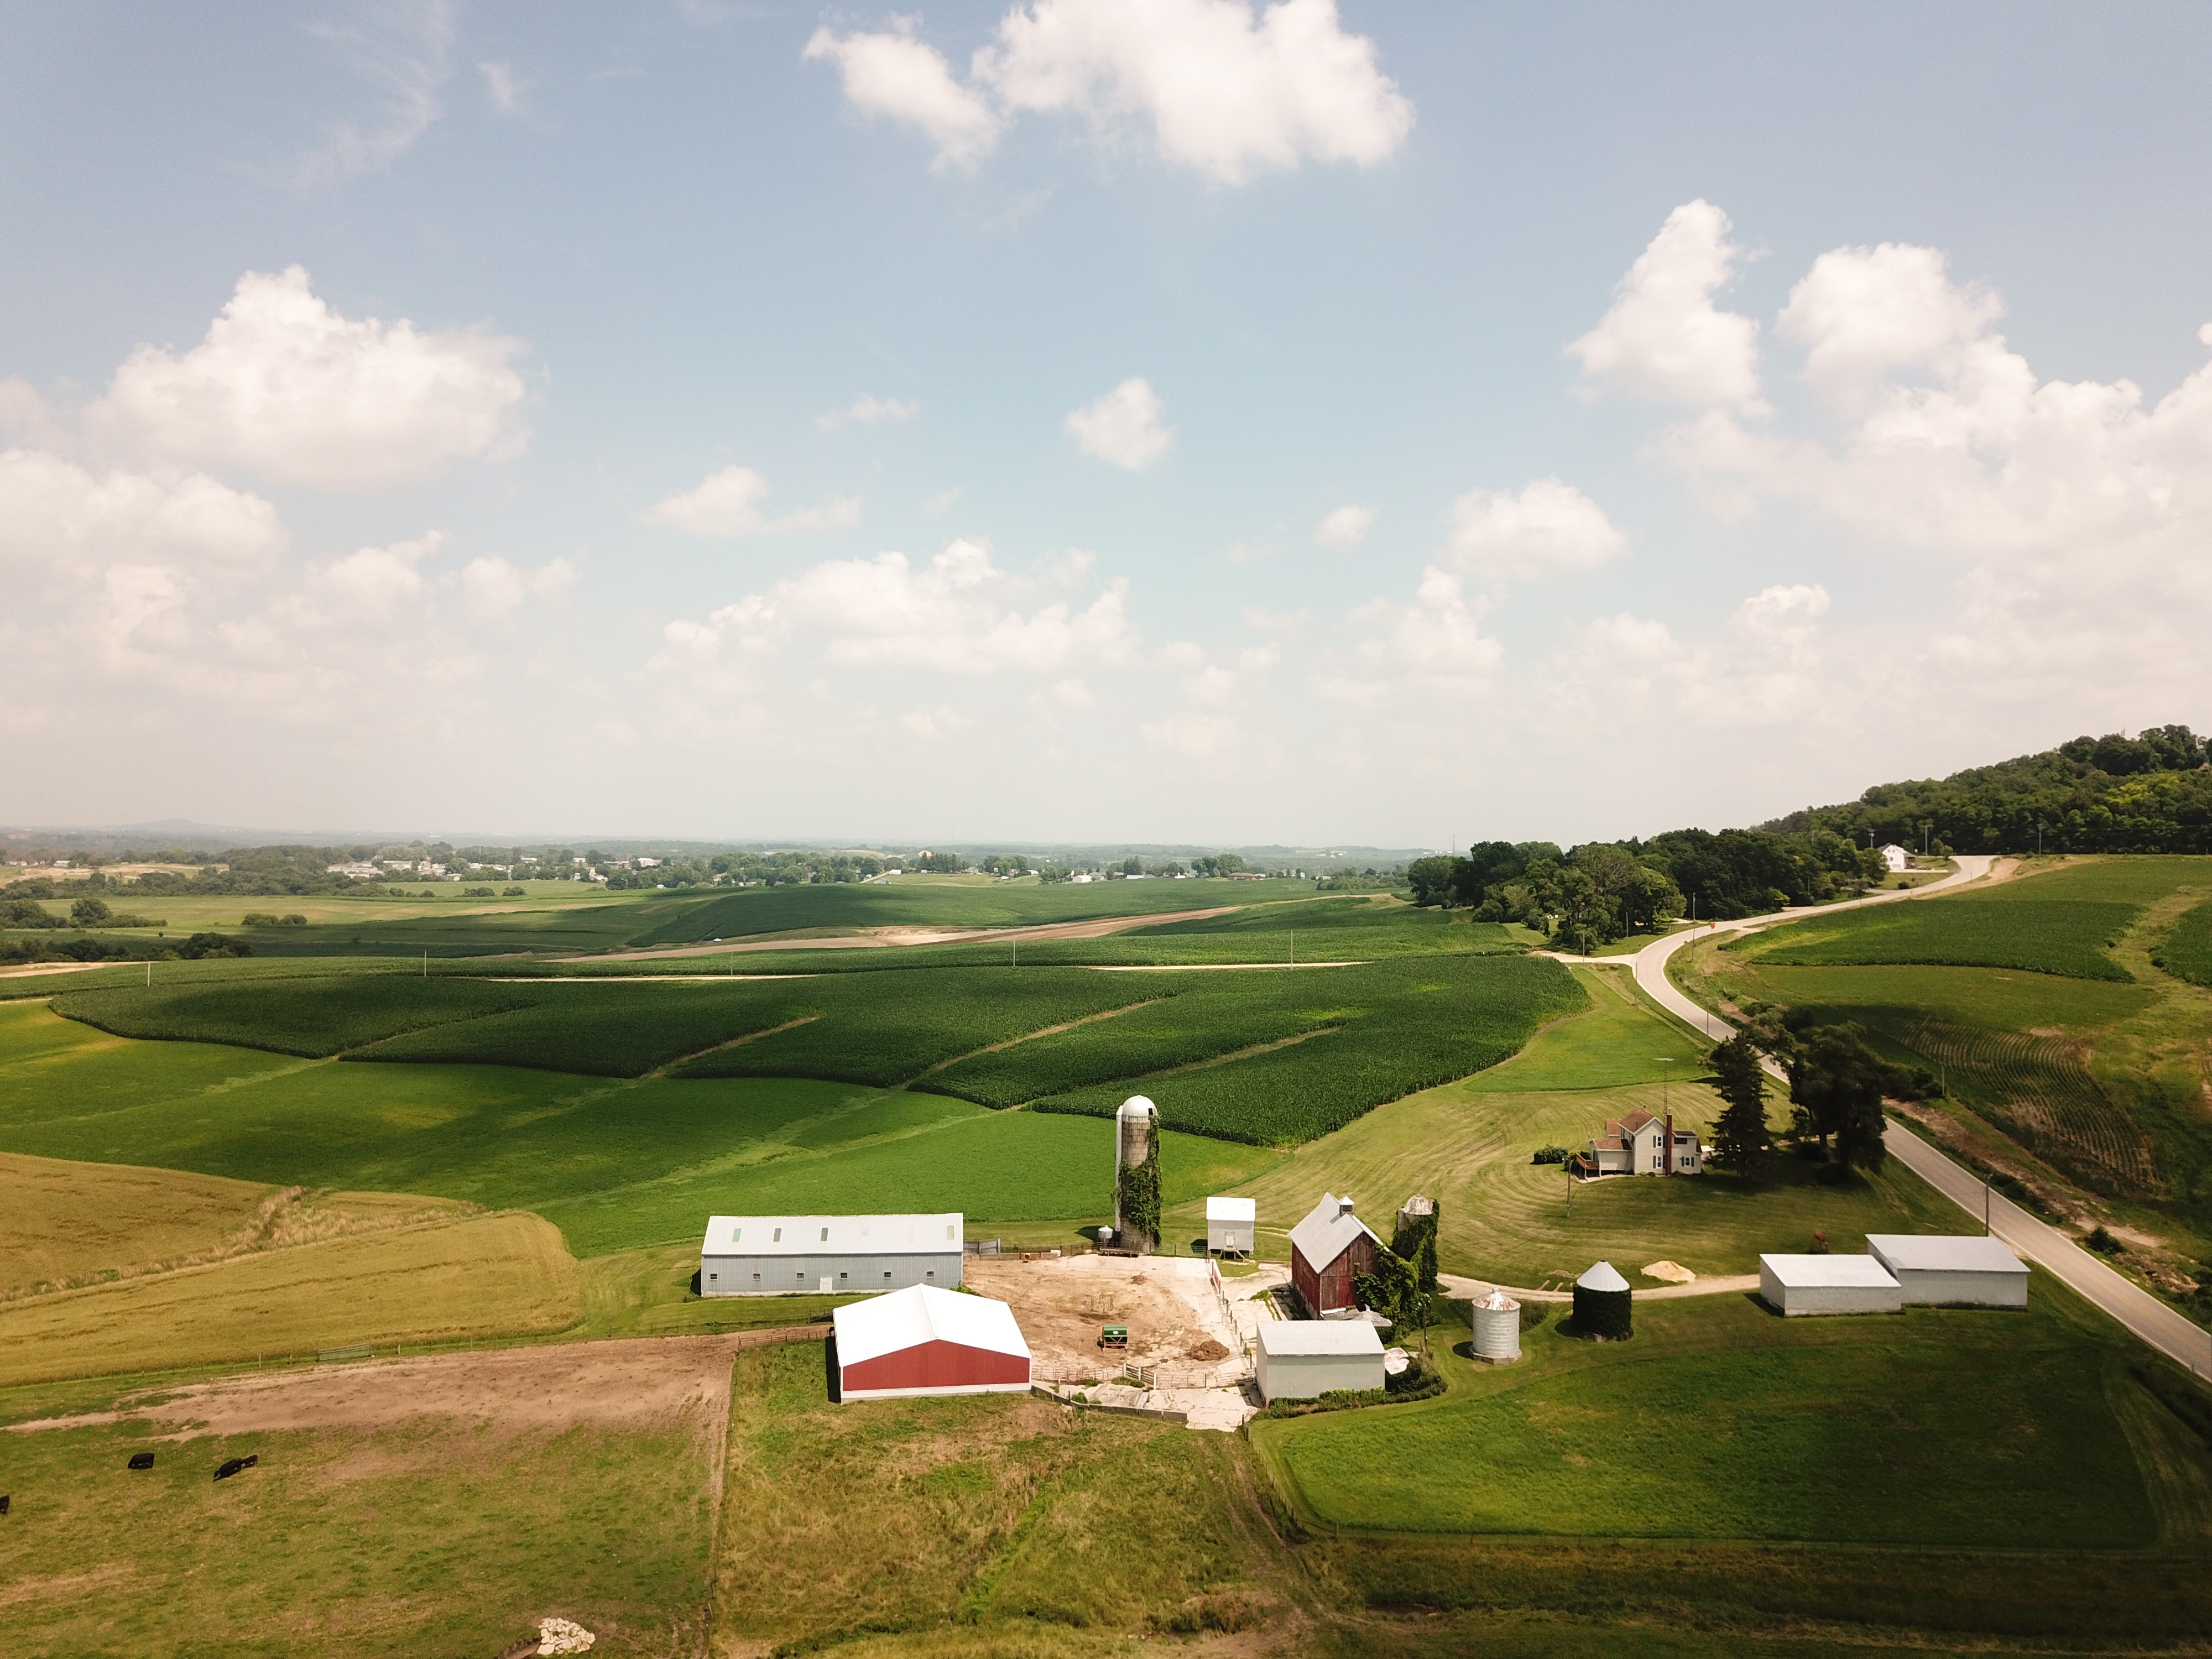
x,y
1499,1301
1603,1276
1137,1106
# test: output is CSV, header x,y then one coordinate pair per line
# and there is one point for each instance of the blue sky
x,y
1183,420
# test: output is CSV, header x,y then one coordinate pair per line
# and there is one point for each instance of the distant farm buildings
x,y
825,1255
1641,1143
1900,1270
1326,1249
1895,857
923,1340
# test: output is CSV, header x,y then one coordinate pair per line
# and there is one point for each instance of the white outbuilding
x,y
826,1255
1796,1285
1229,1224
1304,1358
1952,1270
922,1340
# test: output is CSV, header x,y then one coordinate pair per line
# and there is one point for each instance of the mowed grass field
x,y
2068,937
1467,1145
1721,1420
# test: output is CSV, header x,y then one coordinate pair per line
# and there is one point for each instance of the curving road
x,y
2024,1234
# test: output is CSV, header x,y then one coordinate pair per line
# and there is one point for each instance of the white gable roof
x,y
1815,1273
1327,1232
834,1235
922,1313
1924,1252
1278,1337
1231,1209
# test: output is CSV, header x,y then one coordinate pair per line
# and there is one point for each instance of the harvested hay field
x,y
483,1276
1059,1301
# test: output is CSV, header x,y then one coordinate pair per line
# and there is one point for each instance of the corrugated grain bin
x,y
1601,1303
1497,1329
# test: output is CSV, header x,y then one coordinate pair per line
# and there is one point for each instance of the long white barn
x,y
826,1255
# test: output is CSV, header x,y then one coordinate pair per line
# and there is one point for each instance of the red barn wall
x,y
934,1365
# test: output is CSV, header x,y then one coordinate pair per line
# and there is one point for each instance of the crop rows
x,y
1393,1028
314,1016
2038,1090
2065,937
2187,951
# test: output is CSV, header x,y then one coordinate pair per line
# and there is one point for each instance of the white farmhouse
x,y
1895,857
1641,1143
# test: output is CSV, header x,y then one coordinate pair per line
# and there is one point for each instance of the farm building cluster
x,y
1898,1271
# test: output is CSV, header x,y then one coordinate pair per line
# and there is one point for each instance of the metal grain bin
x,y
1497,1329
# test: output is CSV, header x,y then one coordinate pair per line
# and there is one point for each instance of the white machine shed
x,y
825,1255
1794,1285
1952,1271
1303,1358
1229,1224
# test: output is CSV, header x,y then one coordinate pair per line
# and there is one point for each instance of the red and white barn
x,y
924,1341
1327,1248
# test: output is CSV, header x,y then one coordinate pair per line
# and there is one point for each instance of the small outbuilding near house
x,y
922,1340
1793,1285
1229,1224
1326,1249
1952,1271
1305,1359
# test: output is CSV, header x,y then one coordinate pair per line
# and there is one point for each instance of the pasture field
x,y
1467,1145
1721,1420
59,1229
616,1164
2071,937
450,1280
1379,1032
432,1534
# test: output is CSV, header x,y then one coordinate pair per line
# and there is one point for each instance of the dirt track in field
x,y
878,938
544,1388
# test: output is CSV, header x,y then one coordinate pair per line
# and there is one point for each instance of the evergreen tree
x,y
1741,1135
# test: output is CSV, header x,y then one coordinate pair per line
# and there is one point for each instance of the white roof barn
x,y
1302,1358
1952,1270
824,1255
1793,1285
924,1341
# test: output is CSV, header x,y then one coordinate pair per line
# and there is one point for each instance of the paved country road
x,y
2026,1235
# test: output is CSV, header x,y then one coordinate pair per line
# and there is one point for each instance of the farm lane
x,y
881,938
1465,1289
2136,1310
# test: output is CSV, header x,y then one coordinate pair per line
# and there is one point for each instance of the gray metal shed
x,y
1229,1224
1952,1270
1303,1358
824,1254
1827,1284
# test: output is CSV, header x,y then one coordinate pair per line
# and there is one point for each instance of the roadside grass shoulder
x,y
1719,1420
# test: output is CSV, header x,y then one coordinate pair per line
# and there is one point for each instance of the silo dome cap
x,y
1136,1106
1601,1277
1499,1301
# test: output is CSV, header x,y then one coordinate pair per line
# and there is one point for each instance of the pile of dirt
x,y
1209,1350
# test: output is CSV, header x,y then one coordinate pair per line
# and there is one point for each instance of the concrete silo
x,y
1497,1328
1133,1147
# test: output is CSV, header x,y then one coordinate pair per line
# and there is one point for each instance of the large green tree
x,y
1740,1134
1837,1083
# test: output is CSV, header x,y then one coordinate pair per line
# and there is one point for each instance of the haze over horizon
x,y
1176,421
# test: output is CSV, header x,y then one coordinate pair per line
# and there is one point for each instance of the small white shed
x,y
1303,1358
1952,1270
1827,1284
1229,1223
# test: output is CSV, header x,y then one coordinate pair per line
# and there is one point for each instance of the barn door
x,y
826,1283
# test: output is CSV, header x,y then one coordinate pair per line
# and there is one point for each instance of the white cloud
x,y
1123,428
399,49
896,76
501,89
495,586
959,614
1433,645
377,578
1225,92
943,501
284,386
1664,339
1220,89
868,411
1781,616
1548,529
58,519
728,503
1861,313
1344,529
